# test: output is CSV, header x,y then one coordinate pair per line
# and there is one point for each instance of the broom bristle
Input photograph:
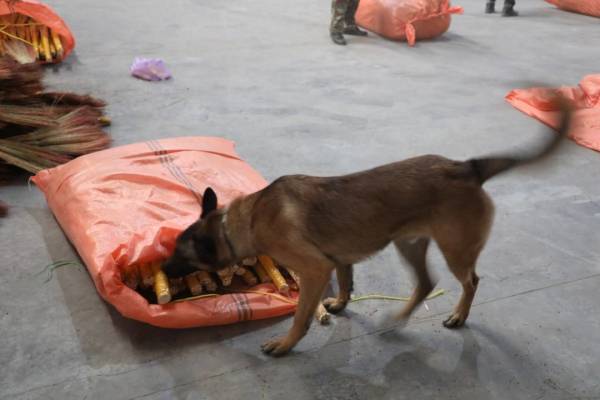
x,y
19,81
28,116
19,51
42,130
30,158
13,74
75,133
71,99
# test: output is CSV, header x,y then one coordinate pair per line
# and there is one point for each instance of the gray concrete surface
x,y
265,74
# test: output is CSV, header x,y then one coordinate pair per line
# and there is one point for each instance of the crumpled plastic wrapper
x,y
150,69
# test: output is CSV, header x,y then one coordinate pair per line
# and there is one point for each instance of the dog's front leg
x,y
312,289
345,282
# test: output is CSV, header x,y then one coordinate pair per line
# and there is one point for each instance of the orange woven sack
x,y
542,104
406,19
126,205
42,14
588,7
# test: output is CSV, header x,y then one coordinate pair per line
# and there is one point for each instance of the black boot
x,y
490,7
509,9
338,38
354,30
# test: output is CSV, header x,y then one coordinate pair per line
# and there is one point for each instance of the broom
x,y
35,117
40,130
28,157
74,134
19,79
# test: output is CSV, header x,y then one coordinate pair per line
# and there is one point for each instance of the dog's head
x,y
202,245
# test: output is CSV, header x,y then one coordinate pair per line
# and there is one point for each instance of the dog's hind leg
x,y
462,264
415,253
345,282
461,241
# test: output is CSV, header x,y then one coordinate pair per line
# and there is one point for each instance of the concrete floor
x,y
265,74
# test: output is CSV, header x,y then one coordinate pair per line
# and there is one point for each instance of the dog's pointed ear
x,y
209,202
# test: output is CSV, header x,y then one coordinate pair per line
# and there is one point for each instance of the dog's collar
x,y
226,235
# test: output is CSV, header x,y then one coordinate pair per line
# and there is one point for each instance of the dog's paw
x,y
334,305
276,347
324,319
454,321
322,316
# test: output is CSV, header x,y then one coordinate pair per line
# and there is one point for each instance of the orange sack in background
x,y
406,19
44,15
541,103
588,7
126,205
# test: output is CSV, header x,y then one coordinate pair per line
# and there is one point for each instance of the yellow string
x,y
275,295
196,297
23,24
433,295
10,35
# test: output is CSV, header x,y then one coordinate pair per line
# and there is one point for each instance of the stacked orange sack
x,y
588,7
125,206
542,104
37,26
406,19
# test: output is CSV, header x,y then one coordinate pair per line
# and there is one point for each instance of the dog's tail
x,y
488,167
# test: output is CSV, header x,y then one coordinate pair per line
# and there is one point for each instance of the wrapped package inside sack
x,y
587,7
126,205
542,104
37,26
408,20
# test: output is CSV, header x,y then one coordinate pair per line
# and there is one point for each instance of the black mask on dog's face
x,y
196,247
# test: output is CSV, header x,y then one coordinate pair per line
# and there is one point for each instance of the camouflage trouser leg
x,y
339,10
350,12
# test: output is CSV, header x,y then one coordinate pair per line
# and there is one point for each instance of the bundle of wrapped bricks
x,y
252,271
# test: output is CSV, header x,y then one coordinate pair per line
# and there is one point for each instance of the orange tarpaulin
x,y
588,7
541,103
406,19
126,205
43,14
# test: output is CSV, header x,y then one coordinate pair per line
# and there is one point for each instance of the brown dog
x,y
316,225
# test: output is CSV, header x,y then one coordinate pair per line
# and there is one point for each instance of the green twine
x,y
49,269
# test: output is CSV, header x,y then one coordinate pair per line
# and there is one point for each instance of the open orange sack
x,y
126,205
541,103
42,14
406,19
588,7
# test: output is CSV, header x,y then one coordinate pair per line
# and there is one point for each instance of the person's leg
x,y
509,9
338,14
490,7
351,28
